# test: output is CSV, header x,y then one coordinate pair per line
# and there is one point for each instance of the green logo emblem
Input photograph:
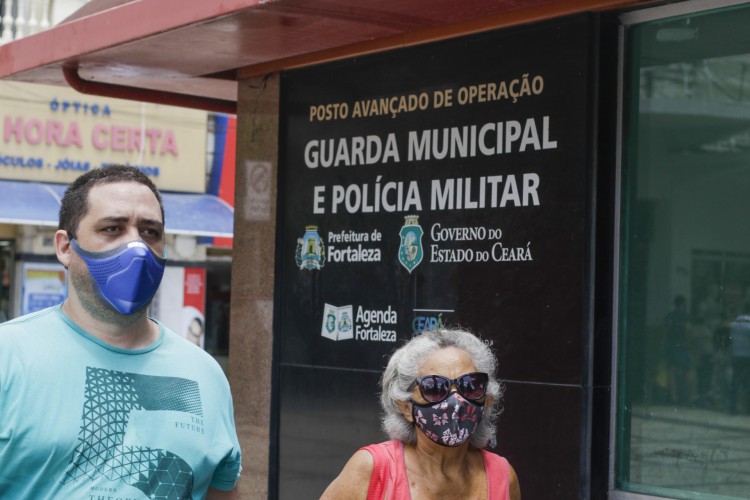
x,y
410,250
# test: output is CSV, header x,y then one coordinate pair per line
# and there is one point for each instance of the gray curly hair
x,y
403,368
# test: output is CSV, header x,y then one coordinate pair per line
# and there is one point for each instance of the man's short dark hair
x,y
74,204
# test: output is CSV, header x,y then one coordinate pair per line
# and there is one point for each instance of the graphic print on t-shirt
x,y
110,397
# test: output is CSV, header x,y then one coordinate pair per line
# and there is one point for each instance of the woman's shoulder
x,y
354,479
494,462
386,449
501,470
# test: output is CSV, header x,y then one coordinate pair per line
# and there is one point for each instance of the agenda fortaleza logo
x,y
347,322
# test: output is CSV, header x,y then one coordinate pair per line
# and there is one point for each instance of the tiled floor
x,y
689,449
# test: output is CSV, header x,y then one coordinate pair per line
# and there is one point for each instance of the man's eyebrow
x,y
112,218
152,222
121,219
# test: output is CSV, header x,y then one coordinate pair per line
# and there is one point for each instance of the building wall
x,y
251,318
574,414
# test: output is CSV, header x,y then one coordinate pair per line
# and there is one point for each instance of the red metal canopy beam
x,y
146,95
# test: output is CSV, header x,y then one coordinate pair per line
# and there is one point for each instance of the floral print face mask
x,y
450,422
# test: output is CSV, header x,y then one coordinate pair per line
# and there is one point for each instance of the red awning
x,y
200,48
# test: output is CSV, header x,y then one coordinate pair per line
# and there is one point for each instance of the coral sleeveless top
x,y
389,482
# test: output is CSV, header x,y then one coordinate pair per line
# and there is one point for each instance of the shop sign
x,y
53,134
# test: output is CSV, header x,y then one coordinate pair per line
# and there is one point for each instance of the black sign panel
x,y
438,185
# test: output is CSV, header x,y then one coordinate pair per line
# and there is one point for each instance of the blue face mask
x,y
126,277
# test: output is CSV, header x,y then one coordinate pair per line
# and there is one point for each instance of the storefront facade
x,y
569,184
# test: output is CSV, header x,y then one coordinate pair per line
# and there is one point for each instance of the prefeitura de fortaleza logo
x,y
310,253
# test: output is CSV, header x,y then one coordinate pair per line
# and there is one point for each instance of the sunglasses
x,y
435,388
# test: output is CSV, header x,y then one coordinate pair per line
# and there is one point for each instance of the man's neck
x,y
138,334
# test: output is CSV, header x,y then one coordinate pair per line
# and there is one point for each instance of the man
x,y
98,401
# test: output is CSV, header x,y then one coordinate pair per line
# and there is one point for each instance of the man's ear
x,y
405,408
62,247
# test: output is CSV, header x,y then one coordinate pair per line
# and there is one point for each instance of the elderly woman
x,y
440,401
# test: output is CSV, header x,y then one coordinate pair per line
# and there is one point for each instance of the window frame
x,y
626,21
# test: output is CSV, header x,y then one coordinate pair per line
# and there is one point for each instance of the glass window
x,y
683,428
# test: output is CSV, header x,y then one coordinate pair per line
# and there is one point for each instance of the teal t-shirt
x,y
82,420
